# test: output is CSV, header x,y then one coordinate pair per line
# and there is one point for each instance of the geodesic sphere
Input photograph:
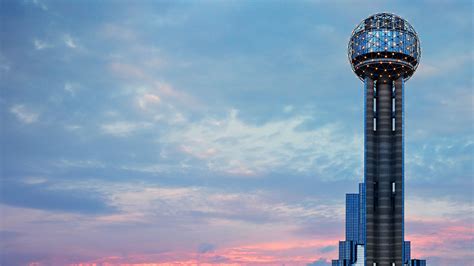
x,y
384,46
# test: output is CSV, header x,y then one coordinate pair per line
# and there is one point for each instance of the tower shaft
x,y
384,171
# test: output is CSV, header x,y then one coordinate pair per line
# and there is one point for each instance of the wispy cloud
x,y
440,209
24,114
143,83
71,88
445,65
122,128
69,41
138,206
33,180
288,108
233,146
148,100
4,65
40,45
152,202
441,238
40,4
65,163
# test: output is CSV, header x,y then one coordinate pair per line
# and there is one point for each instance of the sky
x,y
218,132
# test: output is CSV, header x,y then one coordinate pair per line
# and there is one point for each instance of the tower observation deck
x,y
384,46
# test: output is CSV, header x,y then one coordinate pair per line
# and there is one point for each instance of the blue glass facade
x,y
383,40
384,46
347,253
406,252
352,217
355,224
361,214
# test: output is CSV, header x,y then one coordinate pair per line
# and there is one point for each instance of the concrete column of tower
x,y
369,169
383,210
398,174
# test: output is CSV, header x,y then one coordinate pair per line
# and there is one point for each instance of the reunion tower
x,y
384,51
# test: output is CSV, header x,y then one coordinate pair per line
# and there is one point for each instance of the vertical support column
x,y
369,170
398,172
383,210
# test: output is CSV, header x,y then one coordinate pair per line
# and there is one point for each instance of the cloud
x,y
39,195
69,41
437,209
431,67
328,248
198,205
122,128
23,114
233,146
262,226
148,100
65,163
288,108
4,64
71,88
40,4
33,180
173,196
320,262
9,235
441,167
440,228
289,252
441,238
206,247
40,45
142,82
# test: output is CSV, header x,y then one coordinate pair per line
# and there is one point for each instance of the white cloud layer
x,y
440,209
146,203
122,128
69,41
23,114
40,45
234,146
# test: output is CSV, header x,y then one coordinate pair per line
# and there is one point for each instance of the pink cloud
x,y
440,238
148,100
141,74
293,252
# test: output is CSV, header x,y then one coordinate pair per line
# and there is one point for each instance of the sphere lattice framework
x,y
384,46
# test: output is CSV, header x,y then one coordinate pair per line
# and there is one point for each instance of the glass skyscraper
x,y
361,214
406,252
350,248
352,217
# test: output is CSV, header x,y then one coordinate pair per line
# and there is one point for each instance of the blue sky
x,y
218,132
